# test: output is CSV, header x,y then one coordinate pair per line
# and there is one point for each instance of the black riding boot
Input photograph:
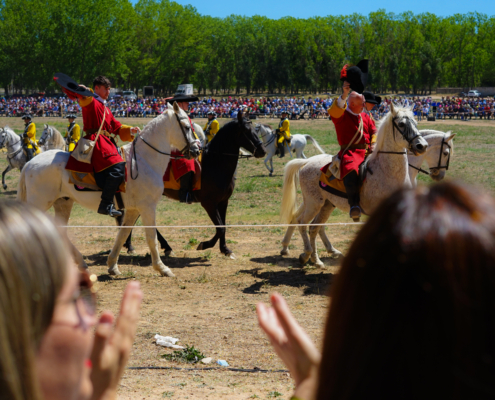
x,y
29,154
186,187
109,180
281,150
351,183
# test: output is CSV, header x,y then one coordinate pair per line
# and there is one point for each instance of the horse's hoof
x,y
4,187
169,253
131,250
284,252
114,270
163,270
303,258
271,173
231,256
336,254
318,263
200,247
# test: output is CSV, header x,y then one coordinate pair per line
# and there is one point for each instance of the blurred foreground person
x,y
412,312
49,349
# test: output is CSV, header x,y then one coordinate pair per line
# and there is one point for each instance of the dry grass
x,y
211,303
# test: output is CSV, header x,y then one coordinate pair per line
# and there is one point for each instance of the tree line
x,y
162,43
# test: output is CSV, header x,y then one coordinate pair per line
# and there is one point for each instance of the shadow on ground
x,y
307,279
145,261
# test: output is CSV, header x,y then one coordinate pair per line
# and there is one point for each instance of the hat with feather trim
x,y
356,75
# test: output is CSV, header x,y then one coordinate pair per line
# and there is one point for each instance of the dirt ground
x,y
211,303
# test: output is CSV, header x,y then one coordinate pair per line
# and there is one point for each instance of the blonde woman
x,y
47,315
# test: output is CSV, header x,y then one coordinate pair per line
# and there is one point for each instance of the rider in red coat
x,y
356,131
183,168
106,162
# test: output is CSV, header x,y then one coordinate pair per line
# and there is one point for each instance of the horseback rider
x,y
283,133
212,126
183,168
106,162
372,101
73,133
29,137
355,131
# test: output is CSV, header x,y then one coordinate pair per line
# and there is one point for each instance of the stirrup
x,y
355,213
109,210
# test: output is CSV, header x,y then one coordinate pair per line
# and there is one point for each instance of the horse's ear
x,y
169,106
239,116
176,108
450,136
46,126
392,109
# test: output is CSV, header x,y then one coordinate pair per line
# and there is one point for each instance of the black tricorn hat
x,y
71,116
180,98
372,98
356,75
26,116
70,84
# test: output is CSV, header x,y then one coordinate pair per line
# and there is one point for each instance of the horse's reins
x,y
138,136
271,140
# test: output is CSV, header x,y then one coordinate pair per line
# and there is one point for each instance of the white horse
x,y
437,156
440,149
297,144
45,181
51,139
16,158
397,133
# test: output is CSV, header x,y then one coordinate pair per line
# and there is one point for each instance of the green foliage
x,y
163,43
188,355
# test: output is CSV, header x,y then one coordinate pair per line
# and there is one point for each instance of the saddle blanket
x,y
170,182
331,184
86,180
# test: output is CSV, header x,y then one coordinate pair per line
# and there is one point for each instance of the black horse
x,y
218,166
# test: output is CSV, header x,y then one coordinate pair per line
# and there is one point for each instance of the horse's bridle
x,y
187,148
42,143
271,140
439,166
404,135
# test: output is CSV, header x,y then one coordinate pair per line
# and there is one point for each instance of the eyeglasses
x,y
84,300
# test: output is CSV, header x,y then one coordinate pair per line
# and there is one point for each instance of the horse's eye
x,y
445,153
402,124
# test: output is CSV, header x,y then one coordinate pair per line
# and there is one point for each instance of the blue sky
x,y
307,8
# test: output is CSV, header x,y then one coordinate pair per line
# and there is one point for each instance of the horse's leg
x,y
222,209
148,216
128,242
271,165
3,176
323,216
214,215
289,232
164,244
266,164
308,214
130,217
63,208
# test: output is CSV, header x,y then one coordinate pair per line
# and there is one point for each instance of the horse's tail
x,y
312,139
291,175
21,188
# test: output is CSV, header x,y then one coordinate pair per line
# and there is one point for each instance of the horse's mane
x,y
219,140
384,123
59,141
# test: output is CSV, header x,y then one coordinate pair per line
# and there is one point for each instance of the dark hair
x,y
412,312
101,81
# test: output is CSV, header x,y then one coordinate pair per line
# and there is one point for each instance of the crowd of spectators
x,y
267,107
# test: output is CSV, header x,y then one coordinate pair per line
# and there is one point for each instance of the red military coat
x,y
181,166
105,153
346,125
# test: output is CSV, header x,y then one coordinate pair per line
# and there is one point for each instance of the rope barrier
x,y
211,226
214,369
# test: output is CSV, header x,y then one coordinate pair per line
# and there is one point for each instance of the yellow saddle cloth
x,y
332,182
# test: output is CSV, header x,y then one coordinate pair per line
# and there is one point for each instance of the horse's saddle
x,y
335,186
171,182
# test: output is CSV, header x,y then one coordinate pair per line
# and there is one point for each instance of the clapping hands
x,y
292,344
